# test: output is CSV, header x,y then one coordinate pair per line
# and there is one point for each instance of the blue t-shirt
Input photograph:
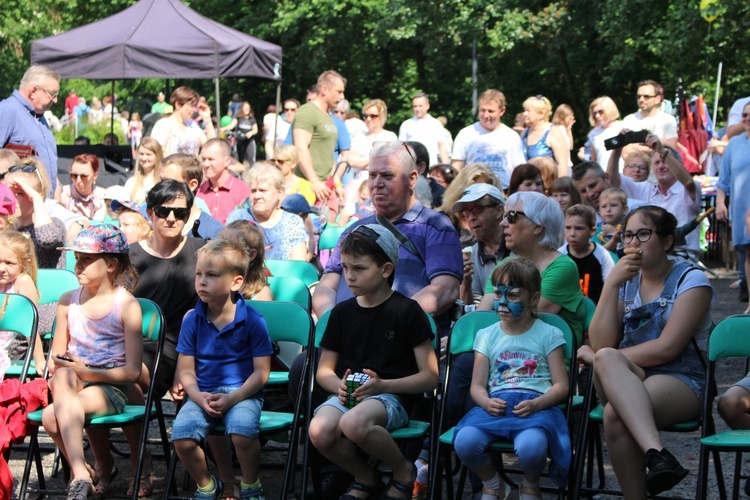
x,y
224,358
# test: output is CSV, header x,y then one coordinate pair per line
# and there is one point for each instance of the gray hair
x,y
400,151
343,105
36,74
423,193
265,171
543,211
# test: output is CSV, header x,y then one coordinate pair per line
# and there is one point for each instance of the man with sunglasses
x,y
650,116
481,207
22,119
277,128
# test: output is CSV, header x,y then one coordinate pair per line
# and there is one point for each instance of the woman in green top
x,y
533,227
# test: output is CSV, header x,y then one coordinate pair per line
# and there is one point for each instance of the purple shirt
x,y
222,200
438,246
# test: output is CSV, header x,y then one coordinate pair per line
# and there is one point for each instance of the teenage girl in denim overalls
x,y
652,376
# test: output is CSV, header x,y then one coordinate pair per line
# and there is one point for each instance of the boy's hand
x,y
525,408
496,407
177,391
221,402
371,388
343,391
204,402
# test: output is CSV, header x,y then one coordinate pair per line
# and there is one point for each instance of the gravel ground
x,y
684,446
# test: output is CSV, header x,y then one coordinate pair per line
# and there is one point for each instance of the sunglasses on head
x,y
180,213
26,169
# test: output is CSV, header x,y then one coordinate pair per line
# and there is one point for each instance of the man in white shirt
x,y
279,127
425,128
650,116
489,141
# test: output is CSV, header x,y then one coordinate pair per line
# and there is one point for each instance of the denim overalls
x,y
646,323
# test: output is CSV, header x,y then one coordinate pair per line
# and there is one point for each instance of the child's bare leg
x,y
65,421
193,459
248,453
365,426
221,449
326,436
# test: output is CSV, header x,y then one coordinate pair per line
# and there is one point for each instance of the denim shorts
x,y
397,416
117,394
192,422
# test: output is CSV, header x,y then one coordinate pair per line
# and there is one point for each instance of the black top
x,y
170,283
590,274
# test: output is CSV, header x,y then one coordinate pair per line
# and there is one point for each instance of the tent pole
x,y
112,111
218,101
278,107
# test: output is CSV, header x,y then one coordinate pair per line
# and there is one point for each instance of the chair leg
x,y
171,489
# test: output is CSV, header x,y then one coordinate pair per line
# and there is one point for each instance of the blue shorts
x,y
397,416
192,422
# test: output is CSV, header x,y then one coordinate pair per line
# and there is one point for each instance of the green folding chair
x,y
152,328
462,340
301,269
53,283
290,289
287,322
330,237
728,339
19,315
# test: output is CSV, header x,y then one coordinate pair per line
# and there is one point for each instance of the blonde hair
x,y
378,104
251,237
141,222
289,152
263,171
540,104
611,113
468,175
152,145
547,167
562,112
39,180
23,247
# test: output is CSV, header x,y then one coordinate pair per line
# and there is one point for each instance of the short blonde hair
x,y
611,113
378,104
540,104
548,169
39,179
286,152
263,171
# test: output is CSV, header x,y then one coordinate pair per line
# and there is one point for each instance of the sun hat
x,y
477,192
100,238
116,205
383,237
7,201
116,193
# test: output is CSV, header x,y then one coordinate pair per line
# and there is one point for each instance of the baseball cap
x,y
7,201
116,205
296,204
100,238
477,192
383,237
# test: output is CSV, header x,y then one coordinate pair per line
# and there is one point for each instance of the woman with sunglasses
x,y
286,158
647,334
180,132
604,117
82,196
533,226
29,182
541,138
734,181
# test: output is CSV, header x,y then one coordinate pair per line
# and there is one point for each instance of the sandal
x,y
147,478
373,491
80,489
403,488
102,484
496,493
530,492
231,492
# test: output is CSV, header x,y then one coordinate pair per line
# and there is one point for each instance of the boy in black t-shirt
x,y
593,261
386,336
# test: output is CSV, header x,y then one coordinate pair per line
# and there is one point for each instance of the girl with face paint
x,y
519,377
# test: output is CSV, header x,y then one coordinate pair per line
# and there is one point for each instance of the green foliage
x,y
94,131
570,51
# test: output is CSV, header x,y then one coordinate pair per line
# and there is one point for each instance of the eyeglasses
x,y
644,96
26,169
512,216
408,150
83,177
290,109
509,294
637,168
598,112
279,161
180,213
476,210
52,95
642,235
369,117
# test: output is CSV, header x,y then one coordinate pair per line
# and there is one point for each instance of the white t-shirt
x,y
362,143
662,125
356,127
283,127
677,201
429,131
597,137
501,149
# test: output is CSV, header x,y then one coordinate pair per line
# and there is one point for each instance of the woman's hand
x,y
625,269
586,355
496,407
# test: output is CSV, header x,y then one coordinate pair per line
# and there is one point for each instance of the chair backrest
x,y
300,269
286,321
590,310
18,314
330,236
152,320
53,283
729,338
70,260
290,289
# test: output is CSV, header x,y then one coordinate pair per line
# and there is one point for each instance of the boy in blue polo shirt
x,y
224,362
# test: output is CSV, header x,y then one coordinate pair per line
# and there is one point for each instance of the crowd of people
x,y
501,219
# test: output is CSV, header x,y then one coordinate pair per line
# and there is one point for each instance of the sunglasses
x,y
745,115
512,216
290,109
597,112
180,213
369,116
83,177
26,169
477,210
644,96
